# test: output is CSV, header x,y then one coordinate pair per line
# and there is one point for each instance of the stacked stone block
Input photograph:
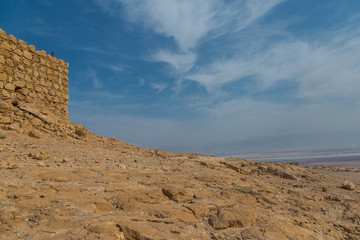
x,y
32,79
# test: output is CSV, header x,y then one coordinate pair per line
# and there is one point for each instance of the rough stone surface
x,y
348,185
34,134
75,189
21,69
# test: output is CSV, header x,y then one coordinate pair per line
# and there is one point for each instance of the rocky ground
x,y
89,187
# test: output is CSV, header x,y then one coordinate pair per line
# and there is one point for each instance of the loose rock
x,y
348,185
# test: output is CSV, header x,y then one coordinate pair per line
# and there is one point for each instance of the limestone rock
x,y
178,194
5,106
27,54
233,218
3,76
122,166
14,126
39,155
34,134
20,84
5,120
163,154
105,228
288,175
36,122
348,185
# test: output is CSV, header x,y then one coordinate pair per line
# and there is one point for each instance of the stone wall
x,y
31,80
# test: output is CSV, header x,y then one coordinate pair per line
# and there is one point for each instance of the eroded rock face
x,y
62,187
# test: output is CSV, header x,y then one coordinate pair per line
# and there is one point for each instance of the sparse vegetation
x,y
2,136
240,190
80,133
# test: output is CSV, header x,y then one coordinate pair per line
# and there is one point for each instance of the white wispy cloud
x,y
321,70
117,67
191,23
91,75
141,82
158,86
179,62
186,21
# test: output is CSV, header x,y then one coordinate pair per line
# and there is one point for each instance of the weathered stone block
x,y
24,91
35,81
9,86
27,54
3,76
9,70
27,62
29,71
2,68
18,52
37,88
2,60
5,107
28,99
22,43
27,77
45,90
1,84
32,94
36,59
9,62
16,59
20,67
19,84
5,45
42,53
36,122
49,98
6,94
3,34
20,96
31,48
42,82
30,86
12,46
19,75
5,120
4,53
12,38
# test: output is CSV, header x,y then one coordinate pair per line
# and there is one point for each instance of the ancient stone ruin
x,y
33,86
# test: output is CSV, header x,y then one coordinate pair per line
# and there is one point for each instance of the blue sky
x,y
173,73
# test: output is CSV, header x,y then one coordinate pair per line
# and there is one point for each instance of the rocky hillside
x,y
72,184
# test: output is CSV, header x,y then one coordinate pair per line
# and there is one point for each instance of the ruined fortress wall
x,y
32,79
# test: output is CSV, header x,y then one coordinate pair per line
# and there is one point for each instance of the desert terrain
x,y
62,185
